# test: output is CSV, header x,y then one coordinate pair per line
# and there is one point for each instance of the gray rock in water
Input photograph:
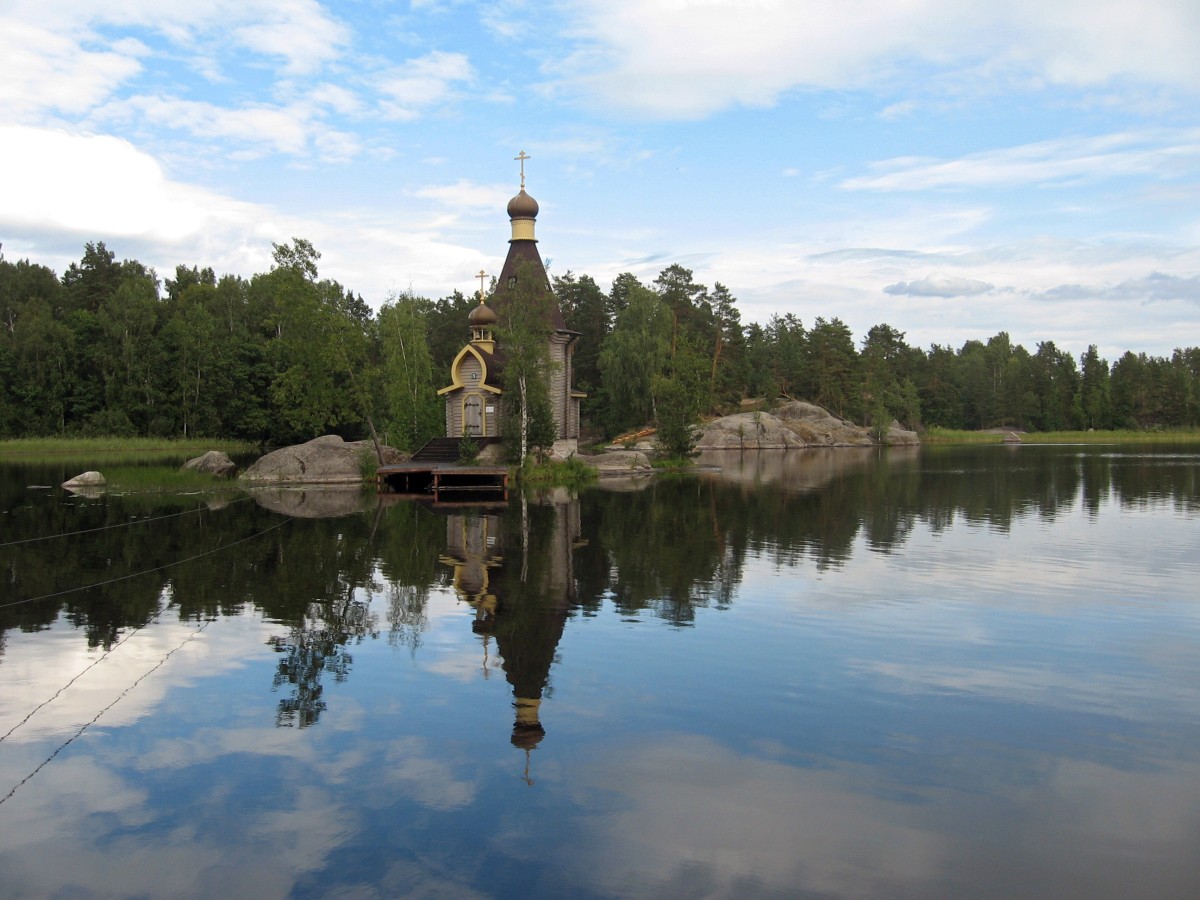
x,y
898,436
214,462
323,460
86,479
619,462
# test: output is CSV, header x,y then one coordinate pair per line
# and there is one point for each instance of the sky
x,y
953,168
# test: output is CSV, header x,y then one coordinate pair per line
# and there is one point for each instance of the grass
x,y
573,473
164,479
1119,436
88,450
672,464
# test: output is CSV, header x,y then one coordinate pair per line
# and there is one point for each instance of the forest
x,y
109,349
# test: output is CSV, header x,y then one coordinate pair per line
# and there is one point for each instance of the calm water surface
x,y
953,672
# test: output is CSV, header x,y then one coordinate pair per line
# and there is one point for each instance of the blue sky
x,y
950,167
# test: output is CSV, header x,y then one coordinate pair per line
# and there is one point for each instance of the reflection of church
x,y
473,397
516,570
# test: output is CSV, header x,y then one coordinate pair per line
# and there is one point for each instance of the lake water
x,y
936,673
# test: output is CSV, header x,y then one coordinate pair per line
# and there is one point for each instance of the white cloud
x,y
1153,288
282,129
1160,153
43,71
95,184
421,83
680,59
300,32
303,36
464,193
936,286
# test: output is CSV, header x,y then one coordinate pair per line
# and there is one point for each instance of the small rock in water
x,y
214,462
87,479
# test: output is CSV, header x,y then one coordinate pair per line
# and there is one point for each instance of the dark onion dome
x,y
481,315
522,206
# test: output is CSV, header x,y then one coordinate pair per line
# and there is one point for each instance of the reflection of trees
x,y
406,615
315,646
680,544
676,547
662,550
408,543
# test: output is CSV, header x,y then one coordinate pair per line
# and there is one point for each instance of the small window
x,y
512,281
474,376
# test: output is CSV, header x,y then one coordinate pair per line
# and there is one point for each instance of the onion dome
x,y
481,316
522,206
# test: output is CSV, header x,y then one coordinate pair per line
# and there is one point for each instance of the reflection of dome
x,y
481,315
527,737
522,206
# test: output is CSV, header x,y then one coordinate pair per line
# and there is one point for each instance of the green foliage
x,y
412,413
831,368
523,329
571,473
634,355
468,448
90,450
286,355
677,408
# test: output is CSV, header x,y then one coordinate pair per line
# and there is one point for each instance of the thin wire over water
x,y
146,571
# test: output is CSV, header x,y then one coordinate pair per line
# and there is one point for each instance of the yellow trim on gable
x,y
456,382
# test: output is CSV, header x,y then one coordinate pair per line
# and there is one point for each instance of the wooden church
x,y
473,397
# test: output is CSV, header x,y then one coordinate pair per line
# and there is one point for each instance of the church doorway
x,y
473,415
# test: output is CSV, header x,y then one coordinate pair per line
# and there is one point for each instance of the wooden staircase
x,y
441,449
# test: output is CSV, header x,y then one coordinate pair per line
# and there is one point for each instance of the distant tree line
x,y
285,355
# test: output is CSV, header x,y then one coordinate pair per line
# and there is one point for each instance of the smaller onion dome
x,y
481,316
522,206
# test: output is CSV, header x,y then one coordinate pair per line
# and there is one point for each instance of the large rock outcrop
x,y
794,425
324,460
748,431
818,427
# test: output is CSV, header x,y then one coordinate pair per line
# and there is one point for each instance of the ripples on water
x,y
967,672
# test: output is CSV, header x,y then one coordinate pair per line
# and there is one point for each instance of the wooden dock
x,y
445,482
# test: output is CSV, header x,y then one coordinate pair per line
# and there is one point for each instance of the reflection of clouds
x,y
697,819
126,841
304,832
690,817
407,879
1040,566
1091,690
80,785
465,666
258,855
37,665
430,782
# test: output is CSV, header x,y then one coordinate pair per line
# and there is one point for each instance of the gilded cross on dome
x,y
481,276
522,157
